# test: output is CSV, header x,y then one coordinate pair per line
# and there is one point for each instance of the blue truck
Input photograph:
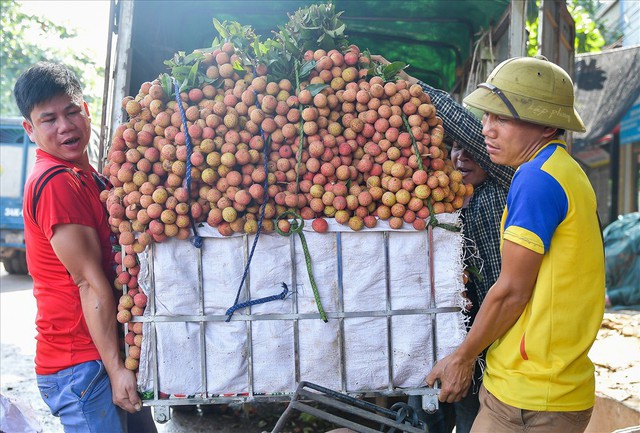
x,y
17,156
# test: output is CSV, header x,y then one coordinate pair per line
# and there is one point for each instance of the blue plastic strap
x,y
237,306
281,296
197,240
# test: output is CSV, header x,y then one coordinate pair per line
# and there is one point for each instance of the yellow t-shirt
x,y
541,363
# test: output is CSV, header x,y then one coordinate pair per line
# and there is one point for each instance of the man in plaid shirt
x,y
481,217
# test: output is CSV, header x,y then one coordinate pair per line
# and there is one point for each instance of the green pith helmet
x,y
532,89
476,112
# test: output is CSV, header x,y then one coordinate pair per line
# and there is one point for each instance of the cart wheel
x,y
16,264
161,414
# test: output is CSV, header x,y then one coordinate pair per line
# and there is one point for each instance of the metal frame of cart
x,y
162,405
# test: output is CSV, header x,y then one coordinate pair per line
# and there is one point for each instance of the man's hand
x,y
402,74
455,378
123,390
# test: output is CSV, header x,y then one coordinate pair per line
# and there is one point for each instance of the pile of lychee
x,y
338,144
132,303
360,150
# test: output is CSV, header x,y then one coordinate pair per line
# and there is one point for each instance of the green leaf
x,y
167,84
316,88
337,32
184,86
392,69
221,30
259,48
218,83
238,66
181,70
291,47
193,56
306,68
193,74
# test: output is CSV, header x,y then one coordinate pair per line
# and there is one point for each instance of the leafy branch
x,y
314,27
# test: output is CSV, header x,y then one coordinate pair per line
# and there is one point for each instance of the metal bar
x,y
250,324
339,397
341,338
203,342
246,398
334,419
106,89
373,417
154,340
125,288
283,419
349,405
301,316
430,404
432,281
387,272
296,331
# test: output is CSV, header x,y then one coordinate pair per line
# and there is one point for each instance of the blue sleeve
x,y
536,203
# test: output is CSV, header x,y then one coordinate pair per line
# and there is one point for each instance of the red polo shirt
x,y
63,338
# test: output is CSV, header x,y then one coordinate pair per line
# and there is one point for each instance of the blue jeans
x,y
81,397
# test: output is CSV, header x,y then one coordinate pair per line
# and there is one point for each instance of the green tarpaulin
x,y
435,37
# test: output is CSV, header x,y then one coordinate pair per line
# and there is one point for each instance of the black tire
x,y
8,265
17,264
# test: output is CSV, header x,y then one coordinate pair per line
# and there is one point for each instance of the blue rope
x,y
237,306
197,239
281,296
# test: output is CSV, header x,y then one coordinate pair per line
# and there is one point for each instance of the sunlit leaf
x,y
221,30
316,88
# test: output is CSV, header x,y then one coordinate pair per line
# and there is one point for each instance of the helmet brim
x,y
529,109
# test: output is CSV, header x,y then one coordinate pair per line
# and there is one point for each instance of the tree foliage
x,y
26,39
589,33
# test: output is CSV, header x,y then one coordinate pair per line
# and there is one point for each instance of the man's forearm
x,y
505,301
497,314
98,306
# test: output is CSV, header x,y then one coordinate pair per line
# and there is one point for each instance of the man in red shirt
x,y
79,367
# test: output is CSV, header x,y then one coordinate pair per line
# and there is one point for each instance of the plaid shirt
x,y
483,213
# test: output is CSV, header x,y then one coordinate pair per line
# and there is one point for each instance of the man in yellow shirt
x,y
543,313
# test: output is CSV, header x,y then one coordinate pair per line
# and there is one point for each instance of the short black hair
x,y
42,82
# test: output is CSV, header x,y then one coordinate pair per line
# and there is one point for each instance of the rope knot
x,y
197,241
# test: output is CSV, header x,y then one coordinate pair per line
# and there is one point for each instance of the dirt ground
x,y
616,354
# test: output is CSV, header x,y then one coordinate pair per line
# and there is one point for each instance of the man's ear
x,y
549,132
28,127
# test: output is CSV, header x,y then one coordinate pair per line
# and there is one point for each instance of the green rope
x,y
296,227
413,140
433,221
301,131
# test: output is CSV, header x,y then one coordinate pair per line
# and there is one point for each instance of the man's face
x,y
513,142
463,162
62,128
